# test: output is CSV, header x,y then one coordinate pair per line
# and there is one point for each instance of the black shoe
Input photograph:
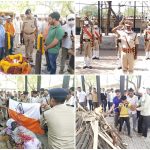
x,y
146,58
1,125
85,67
119,67
90,67
94,58
97,58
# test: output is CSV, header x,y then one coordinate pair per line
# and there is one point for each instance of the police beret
x,y
55,15
58,93
28,11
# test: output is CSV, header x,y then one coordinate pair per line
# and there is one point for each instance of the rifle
x,y
81,41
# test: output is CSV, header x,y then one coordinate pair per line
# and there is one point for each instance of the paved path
x,y
108,64
136,142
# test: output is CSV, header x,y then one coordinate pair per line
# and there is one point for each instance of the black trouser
x,y
71,62
126,119
95,104
109,105
104,105
47,61
140,122
146,120
91,104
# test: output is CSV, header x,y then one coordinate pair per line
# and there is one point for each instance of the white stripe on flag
x,y
30,110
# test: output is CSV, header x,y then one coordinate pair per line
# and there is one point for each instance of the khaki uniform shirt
x,y
60,121
131,38
85,35
29,25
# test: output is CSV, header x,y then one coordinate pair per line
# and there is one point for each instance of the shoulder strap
x,y
127,42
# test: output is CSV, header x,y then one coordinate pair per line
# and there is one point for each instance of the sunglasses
x,y
71,19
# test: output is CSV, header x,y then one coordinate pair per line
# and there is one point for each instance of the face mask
x,y
86,22
71,23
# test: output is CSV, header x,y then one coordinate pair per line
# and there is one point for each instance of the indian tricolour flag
x,y
26,114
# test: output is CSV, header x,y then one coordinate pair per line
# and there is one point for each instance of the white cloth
x,y
145,105
112,95
81,96
87,61
35,100
89,96
67,42
71,101
133,101
17,26
32,144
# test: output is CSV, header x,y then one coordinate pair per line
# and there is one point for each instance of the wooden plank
x,y
95,131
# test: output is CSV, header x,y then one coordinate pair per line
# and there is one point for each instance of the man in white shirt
x,y
133,100
67,42
81,95
17,26
145,112
90,99
34,97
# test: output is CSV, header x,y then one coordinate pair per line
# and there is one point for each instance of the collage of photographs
x,y
74,74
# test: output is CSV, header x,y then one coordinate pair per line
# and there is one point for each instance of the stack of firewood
x,y
93,131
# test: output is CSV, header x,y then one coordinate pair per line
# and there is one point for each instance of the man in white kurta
x,y
17,26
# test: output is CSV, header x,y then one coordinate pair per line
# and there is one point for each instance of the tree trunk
x,y
122,81
98,89
108,17
83,83
38,83
66,81
26,83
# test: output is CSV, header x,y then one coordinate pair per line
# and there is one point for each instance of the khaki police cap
x,y
128,23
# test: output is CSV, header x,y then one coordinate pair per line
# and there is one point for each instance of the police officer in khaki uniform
x,y
147,41
97,41
129,44
60,121
29,28
87,40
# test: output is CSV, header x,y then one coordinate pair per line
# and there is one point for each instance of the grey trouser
x,y
134,120
44,140
116,119
63,58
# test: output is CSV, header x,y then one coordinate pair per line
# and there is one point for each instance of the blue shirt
x,y
2,36
116,101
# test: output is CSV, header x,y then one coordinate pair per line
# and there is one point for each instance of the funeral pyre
x,y
15,64
93,131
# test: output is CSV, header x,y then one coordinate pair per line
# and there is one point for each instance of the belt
x,y
128,50
29,33
86,40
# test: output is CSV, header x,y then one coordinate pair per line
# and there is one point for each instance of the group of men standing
x,y
55,34
128,107
127,43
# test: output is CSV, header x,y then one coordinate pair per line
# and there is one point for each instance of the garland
x,y
15,64
39,43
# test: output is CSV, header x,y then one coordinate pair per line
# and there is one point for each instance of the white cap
x,y
8,17
71,16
